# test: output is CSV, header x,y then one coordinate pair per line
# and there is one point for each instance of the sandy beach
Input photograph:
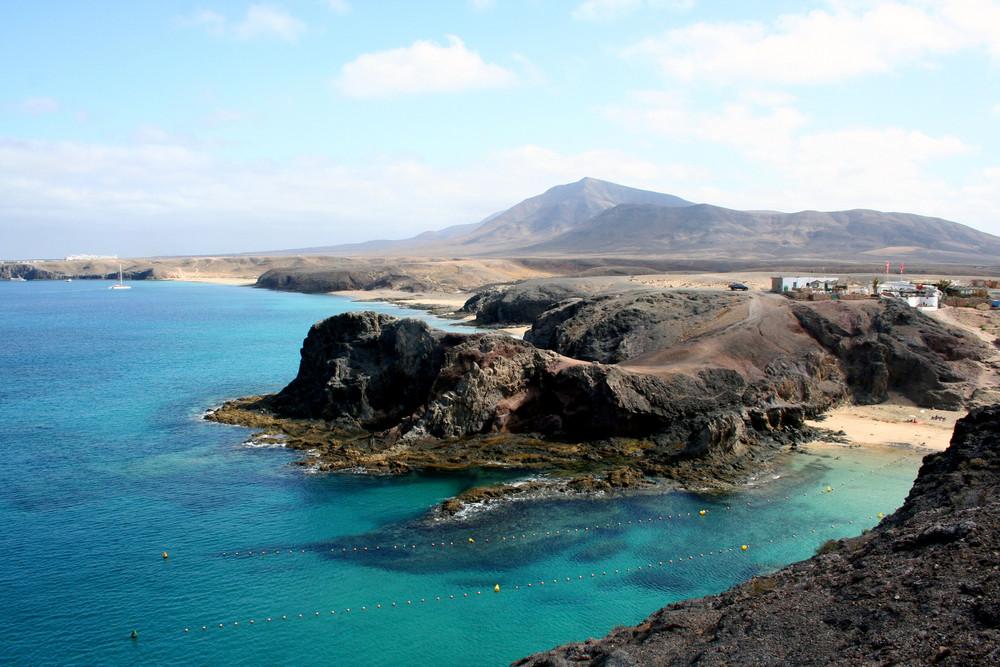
x,y
892,424
442,304
217,280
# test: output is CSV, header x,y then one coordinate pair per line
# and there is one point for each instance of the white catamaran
x,y
121,282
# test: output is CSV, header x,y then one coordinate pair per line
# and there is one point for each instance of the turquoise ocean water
x,y
106,463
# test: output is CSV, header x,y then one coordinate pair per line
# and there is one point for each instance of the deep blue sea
x,y
107,463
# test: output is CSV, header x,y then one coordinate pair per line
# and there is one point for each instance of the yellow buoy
x,y
880,515
744,547
496,588
471,541
702,512
828,489
165,555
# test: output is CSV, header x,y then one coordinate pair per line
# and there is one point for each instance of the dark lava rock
x,y
887,346
13,270
369,369
612,328
522,303
336,280
920,588
406,383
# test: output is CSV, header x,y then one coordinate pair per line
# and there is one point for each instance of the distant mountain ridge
x,y
705,230
595,217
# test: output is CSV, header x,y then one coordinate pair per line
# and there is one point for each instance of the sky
x,y
219,126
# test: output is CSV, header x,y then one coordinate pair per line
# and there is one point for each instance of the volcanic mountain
x,y
594,217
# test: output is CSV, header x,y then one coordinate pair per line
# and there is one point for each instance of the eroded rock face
x,y
368,369
887,346
921,588
378,393
522,303
335,280
613,328
376,373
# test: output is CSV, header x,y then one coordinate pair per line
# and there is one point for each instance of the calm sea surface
x,y
106,463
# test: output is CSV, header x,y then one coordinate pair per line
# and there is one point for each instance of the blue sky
x,y
227,126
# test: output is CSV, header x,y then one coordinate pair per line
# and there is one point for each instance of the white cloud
x,y
208,20
423,67
482,5
37,106
607,10
603,10
757,130
172,198
259,22
265,21
845,41
794,166
222,117
339,6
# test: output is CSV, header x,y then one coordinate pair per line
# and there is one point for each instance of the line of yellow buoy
x,y
531,585
512,538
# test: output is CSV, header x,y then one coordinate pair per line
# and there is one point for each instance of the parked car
x,y
738,287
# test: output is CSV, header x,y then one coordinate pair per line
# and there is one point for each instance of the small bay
x,y
107,463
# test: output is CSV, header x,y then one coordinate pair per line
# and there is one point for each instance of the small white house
x,y
924,297
782,284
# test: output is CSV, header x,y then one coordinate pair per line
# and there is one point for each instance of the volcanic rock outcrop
x,y
611,328
524,302
711,386
887,346
921,588
390,394
379,373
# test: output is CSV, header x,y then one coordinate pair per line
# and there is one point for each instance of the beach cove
x,y
109,464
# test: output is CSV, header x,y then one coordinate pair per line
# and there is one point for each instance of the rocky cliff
x,y
710,385
921,588
887,346
524,302
612,328
389,394
314,281
60,271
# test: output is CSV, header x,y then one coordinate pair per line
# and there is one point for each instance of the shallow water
x,y
107,463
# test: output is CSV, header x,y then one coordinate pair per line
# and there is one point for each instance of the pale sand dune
x,y
892,424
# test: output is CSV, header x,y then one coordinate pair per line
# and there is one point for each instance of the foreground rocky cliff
x,y
923,587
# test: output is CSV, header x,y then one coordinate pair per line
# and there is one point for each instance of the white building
x,y
782,284
925,297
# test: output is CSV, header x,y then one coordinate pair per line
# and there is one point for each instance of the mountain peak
x,y
558,210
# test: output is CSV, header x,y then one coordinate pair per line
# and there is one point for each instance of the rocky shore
x,y
390,395
710,386
921,588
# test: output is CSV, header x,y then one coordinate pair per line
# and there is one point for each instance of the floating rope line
x,y
731,551
517,537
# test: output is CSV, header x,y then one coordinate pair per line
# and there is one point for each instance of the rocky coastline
x,y
385,395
